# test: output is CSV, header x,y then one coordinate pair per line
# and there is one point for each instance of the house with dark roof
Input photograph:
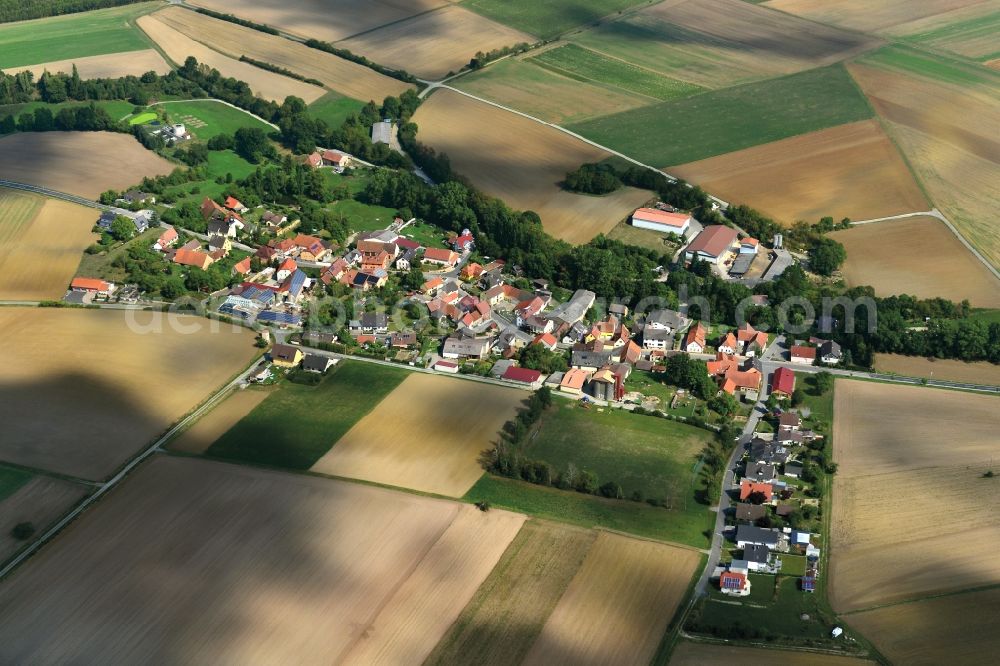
x,y
760,472
757,557
316,363
374,323
477,348
751,535
750,512
830,352
286,356
666,320
589,360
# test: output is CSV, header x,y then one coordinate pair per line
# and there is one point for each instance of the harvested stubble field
x,y
507,613
117,387
263,83
525,173
250,566
346,77
909,487
101,161
851,170
545,94
618,605
919,256
865,15
552,17
720,43
428,435
981,372
958,630
329,20
41,241
434,43
688,653
217,422
113,65
40,502
969,31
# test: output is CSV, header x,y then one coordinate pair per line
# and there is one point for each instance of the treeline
x,y
400,74
237,20
22,10
482,59
593,179
84,118
280,70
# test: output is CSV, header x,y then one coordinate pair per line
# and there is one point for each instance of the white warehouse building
x,y
661,221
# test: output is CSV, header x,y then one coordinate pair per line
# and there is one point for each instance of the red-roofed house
x,y
431,287
440,257
335,158
471,271
713,244
166,239
728,345
547,340
694,341
726,369
522,376
783,382
314,160
242,267
803,355
661,220
92,285
195,258
748,488
234,204
734,583
751,340
287,267
749,245
463,242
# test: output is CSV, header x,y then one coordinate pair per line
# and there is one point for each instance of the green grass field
x,y
73,36
590,511
577,62
722,121
217,118
334,109
426,234
550,18
934,66
364,217
297,424
220,162
654,456
103,265
11,480
954,36
142,118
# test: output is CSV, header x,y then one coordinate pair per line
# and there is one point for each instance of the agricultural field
x,y
41,241
850,170
545,94
428,435
526,584
883,16
268,85
111,65
525,173
334,108
553,17
688,653
343,76
720,43
56,38
981,372
724,121
957,629
329,20
577,62
943,116
104,372
618,605
919,256
432,44
217,422
970,32
889,541
39,500
251,566
101,161
206,118
297,424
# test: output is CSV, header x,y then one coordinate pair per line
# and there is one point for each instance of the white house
x,y
749,245
662,221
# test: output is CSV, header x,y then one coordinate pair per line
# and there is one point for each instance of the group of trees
x,y
538,357
85,118
593,179
19,10
482,59
270,67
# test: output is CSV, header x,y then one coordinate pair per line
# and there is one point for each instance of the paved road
x,y
65,196
108,485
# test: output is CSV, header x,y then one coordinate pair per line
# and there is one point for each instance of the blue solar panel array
x,y
279,317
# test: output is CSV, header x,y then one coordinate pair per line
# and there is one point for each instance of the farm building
x,y
286,356
573,381
576,308
476,348
662,221
446,366
382,132
713,244
532,378
440,257
803,355
336,159
92,286
195,258
749,245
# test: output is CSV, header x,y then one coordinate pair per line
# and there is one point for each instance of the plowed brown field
x,y
522,162
850,171
40,502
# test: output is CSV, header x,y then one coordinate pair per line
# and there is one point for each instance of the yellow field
x,y
426,435
263,83
329,20
704,654
884,15
982,372
41,241
507,613
344,76
100,161
249,566
852,170
948,132
919,256
908,489
958,630
522,162
217,422
81,392
432,44
618,605
40,502
112,65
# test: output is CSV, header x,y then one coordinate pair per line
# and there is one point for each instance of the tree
x,y
822,382
798,396
826,256
22,531
537,357
122,228
251,144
